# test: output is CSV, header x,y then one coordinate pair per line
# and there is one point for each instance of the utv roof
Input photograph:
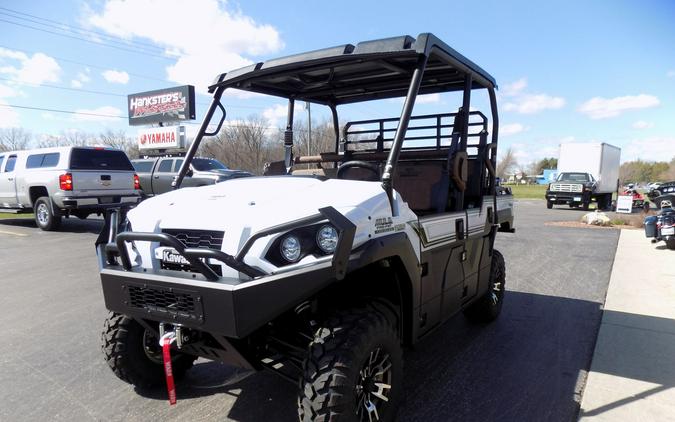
x,y
370,70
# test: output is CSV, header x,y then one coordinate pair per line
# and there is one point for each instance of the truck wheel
x,y
489,306
585,206
353,370
549,204
670,243
44,216
134,355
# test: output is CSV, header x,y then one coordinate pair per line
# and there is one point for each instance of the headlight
x,y
327,238
290,248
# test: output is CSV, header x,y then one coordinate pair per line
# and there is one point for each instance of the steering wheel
x,y
359,164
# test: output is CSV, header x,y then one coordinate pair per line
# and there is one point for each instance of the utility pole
x,y
309,127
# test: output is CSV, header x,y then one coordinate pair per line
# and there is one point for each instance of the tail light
x,y
137,182
66,181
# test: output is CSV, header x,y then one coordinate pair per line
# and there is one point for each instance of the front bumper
x,y
567,197
226,306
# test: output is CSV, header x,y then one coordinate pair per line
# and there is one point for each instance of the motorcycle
x,y
662,226
638,198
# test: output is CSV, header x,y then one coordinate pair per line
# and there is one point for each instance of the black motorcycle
x,y
662,226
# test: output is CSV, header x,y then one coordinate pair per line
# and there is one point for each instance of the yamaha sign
x,y
171,137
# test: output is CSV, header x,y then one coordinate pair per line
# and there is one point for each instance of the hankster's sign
x,y
162,105
170,137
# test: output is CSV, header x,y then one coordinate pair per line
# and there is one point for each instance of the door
x,y
443,240
163,176
8,181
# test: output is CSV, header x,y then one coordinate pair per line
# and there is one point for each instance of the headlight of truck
x,y
290,248
327,238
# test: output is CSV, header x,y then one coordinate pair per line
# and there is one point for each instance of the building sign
x,y
162,105
170,137
624,204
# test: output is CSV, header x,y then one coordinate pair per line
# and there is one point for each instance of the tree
x,y
506,163
14,139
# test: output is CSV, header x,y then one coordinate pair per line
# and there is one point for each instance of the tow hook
x,y
180,335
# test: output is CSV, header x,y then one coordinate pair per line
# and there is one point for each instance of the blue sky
x,y
567,71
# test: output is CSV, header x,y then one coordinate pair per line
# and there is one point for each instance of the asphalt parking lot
x,y
530,365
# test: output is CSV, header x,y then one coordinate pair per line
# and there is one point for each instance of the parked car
x,y
65,181
157,174
663,192
321,278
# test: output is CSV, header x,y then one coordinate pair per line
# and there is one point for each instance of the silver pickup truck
x,y
65,181
157,174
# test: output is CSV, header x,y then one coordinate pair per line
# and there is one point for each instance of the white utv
x,y
322,275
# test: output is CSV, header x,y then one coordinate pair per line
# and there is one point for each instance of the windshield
x,y
574,177
206,164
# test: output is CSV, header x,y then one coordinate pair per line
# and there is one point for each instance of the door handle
x,y
10,178
459,228
156,177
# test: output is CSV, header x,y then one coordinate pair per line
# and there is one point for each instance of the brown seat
x,y
420,184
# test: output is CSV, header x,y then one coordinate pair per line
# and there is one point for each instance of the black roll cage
x,y
397,60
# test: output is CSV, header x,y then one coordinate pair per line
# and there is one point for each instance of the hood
x,y
254,203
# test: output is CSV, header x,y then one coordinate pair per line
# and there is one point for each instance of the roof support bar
x,y
288,136
466,104
406,112
336,127
215,103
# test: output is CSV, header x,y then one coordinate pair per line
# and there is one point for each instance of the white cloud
x,y
428,99
514,88
602,108
671,74
649,149
218,39
530,104
116,76
8,116
100,114
7,91
641,124
276,115
511,129
36,69
523,102
81,79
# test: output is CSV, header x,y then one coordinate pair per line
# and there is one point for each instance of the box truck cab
x,y
586,173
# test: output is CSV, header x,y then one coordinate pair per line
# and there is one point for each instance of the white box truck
x,y
586,173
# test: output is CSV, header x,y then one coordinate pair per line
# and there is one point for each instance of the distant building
x,y
547,176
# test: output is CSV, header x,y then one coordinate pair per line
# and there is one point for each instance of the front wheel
x,y
670,242
353,370
45,218
488,307
134,355
549,204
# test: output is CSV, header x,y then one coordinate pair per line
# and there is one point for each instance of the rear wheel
x,y
670,243
45,218
489,306
134,355
353,370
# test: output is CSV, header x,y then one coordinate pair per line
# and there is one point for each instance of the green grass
x,y
6,215
528,191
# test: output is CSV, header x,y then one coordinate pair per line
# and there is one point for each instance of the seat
x,y
421,184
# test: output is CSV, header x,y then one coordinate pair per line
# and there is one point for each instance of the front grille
x,y
173,304
210,239
565,187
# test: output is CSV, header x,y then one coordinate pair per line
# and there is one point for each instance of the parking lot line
x,y
13,233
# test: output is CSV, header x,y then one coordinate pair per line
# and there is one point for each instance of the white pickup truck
x,y
64,181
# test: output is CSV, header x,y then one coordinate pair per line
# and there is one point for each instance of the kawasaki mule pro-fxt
x,y
324,274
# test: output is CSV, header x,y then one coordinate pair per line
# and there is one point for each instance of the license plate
x,y
170,256
577,199
105,200
665,231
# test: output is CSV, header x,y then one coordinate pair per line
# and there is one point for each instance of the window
x,y
179,163
2,158
207,164
99,159
165,166
143,166
42,160
11,160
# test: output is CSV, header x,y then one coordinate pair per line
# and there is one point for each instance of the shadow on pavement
x,y
524,366
68,225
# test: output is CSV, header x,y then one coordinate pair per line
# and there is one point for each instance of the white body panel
x,y
242,207
599,159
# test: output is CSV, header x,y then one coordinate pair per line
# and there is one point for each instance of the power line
x,y
72,28
88,91
63,111
86,40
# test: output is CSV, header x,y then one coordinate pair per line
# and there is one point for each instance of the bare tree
x,y
506,163
14,139
120,140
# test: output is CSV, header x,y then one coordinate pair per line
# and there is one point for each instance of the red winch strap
x,y
170,387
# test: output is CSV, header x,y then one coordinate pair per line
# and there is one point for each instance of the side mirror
x,y
190,173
